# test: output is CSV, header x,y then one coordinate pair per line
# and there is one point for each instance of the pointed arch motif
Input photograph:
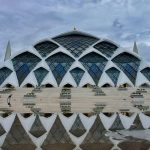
x,y
129,64
94,64
146,72
106,48
23,64
45,47
113,73
4,73
76,42
40,74
77,73
59,64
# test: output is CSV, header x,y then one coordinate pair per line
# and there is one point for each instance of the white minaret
x,y
8,52
135,49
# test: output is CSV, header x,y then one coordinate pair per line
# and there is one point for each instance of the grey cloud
x,y
23,22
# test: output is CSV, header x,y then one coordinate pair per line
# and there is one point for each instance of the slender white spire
x,y
135,49
8,52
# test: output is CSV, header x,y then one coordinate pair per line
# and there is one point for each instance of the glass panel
x,y
76,43
45,48
113,73
24,64
40,74
59,64
94,64
106,48
4,73
77,74
129,64
146,72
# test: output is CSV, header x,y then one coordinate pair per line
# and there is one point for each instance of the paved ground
x,y
82,100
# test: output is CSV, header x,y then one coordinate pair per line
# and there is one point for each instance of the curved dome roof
x,y
75,58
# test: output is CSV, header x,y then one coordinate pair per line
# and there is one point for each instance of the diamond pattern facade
x,y
94,64
77,128
40,74
59,64
113,73
146,72
77,74
106,48
37,128
45,48
24,64
82,49
59,136
4,73
76,43
129,64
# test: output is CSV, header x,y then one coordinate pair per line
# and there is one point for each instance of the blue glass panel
x,y
77,74
40,74
59,63
106,48
146,72
129,64
94,64
45,48
76,43
113,73
4,73
23,64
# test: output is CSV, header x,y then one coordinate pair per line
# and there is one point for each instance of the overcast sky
x,y
25,21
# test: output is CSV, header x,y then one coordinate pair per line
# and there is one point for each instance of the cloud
x,y
124,21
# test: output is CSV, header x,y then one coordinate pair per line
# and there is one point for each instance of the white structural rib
x,y
11,79
105,80
86,79
141,79
68,79
49,79
7,64
123,79
42,64
109,65
30,79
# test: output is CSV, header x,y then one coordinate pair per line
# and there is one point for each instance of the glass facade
x,y
45,48
113,73
4,73
129,64
95,64
24,64
146,72
40,74
106,48
59,64
76,43
77,74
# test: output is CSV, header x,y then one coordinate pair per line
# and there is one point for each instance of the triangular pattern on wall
x,y
17,138
137,124
37,128
77,74
57,138
117,124
2,130
59,64
96,138
77,128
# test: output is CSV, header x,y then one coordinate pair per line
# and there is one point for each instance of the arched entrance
x,y
68,85
106,85
28,85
